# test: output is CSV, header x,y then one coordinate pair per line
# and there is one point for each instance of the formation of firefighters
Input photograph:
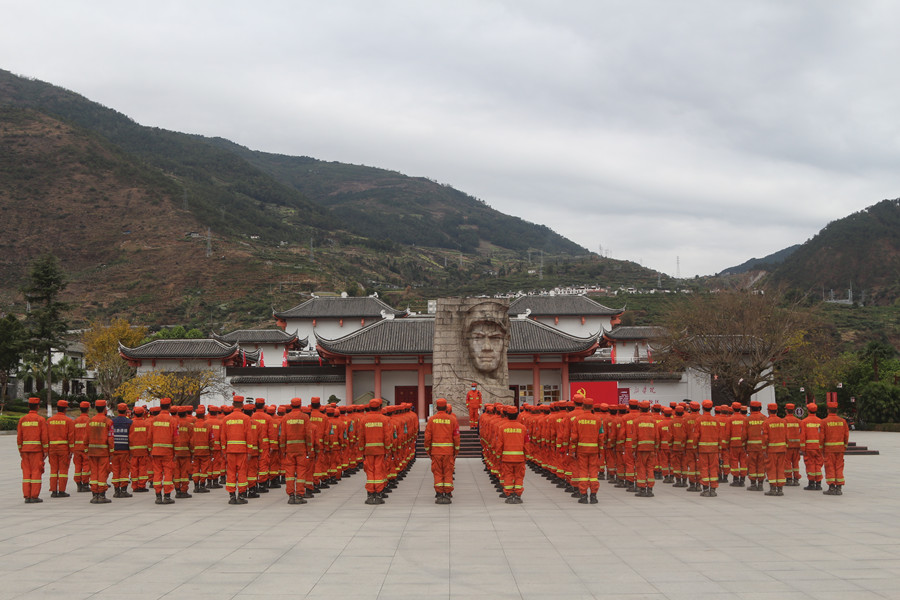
x,y
250,448
578,443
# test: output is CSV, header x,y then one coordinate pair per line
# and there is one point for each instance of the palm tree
x,y
33,371
66,370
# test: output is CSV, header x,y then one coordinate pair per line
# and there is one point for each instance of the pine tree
x,y
45,326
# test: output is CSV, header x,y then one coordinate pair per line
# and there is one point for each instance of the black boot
x,y
273,484
167,499
819,486
251,492
262,487
593,498
232,498
706,492
242,498
837,490
95,499
123,492
773,490
103,499
583,499
159,498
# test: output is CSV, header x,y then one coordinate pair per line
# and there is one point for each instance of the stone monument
x,y
471,338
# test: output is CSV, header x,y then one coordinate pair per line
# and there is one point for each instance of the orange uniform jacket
x,y
61,434
510,444
100,441
835,434
163,434
235,432
442,434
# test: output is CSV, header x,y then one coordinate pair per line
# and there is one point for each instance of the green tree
x,y
739,339
12,347
65,371
44,322
879,402
876,353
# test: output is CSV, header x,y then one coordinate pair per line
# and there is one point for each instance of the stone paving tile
x,y
740,545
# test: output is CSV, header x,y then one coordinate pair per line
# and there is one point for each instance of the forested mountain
x,y
859,252
167,227
767,262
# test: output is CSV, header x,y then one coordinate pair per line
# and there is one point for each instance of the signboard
x,y
798,412
624,395
600,391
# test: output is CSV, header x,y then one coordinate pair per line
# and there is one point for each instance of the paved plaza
x,y
676,545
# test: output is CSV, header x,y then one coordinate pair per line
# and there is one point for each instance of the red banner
x,y
602,391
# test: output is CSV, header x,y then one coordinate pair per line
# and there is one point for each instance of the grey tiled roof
x,y
557,306
266,379
527,337
620,376
337,307
635,333
388,336
416,336
260,336
181,349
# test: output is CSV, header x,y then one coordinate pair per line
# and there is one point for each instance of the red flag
x,y
243,358
612,354
284,358
262,360
649,356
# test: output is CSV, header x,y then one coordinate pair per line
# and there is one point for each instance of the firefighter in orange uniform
x,y
82,466
442,446
163,435
775,442
646,443
376,432
473,403
100,445
677,453
792,454
235,439
708,439
510,446
587,442
812,439
61,433
34,444
294,437
664,425
201,449
756,451
316,469
217,458
274,481
139,441
736,443
183,466
836,435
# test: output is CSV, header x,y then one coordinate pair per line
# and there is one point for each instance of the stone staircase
x,y
854,450
469,444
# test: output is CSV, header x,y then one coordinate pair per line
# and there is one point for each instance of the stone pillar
x,y
471,339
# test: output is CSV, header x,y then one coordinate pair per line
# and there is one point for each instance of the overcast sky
x,y
710,132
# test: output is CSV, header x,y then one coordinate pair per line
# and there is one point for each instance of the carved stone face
x,y
487,343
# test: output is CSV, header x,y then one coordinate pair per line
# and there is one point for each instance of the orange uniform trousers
x,y
99,473
756,465
139,476
738,461
691,466
163,474
834,468
59,471
121,467
295,468
587,466
813,461
473,414
183,472
709,469
644,463
236,472
252,469
32,471
309,477
775,468
664,461
792,463
376,476
82,468
676,458
202,463
512,474
442,466
628,465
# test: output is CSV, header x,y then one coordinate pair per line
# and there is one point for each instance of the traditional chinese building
x,y
577,315
333,316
